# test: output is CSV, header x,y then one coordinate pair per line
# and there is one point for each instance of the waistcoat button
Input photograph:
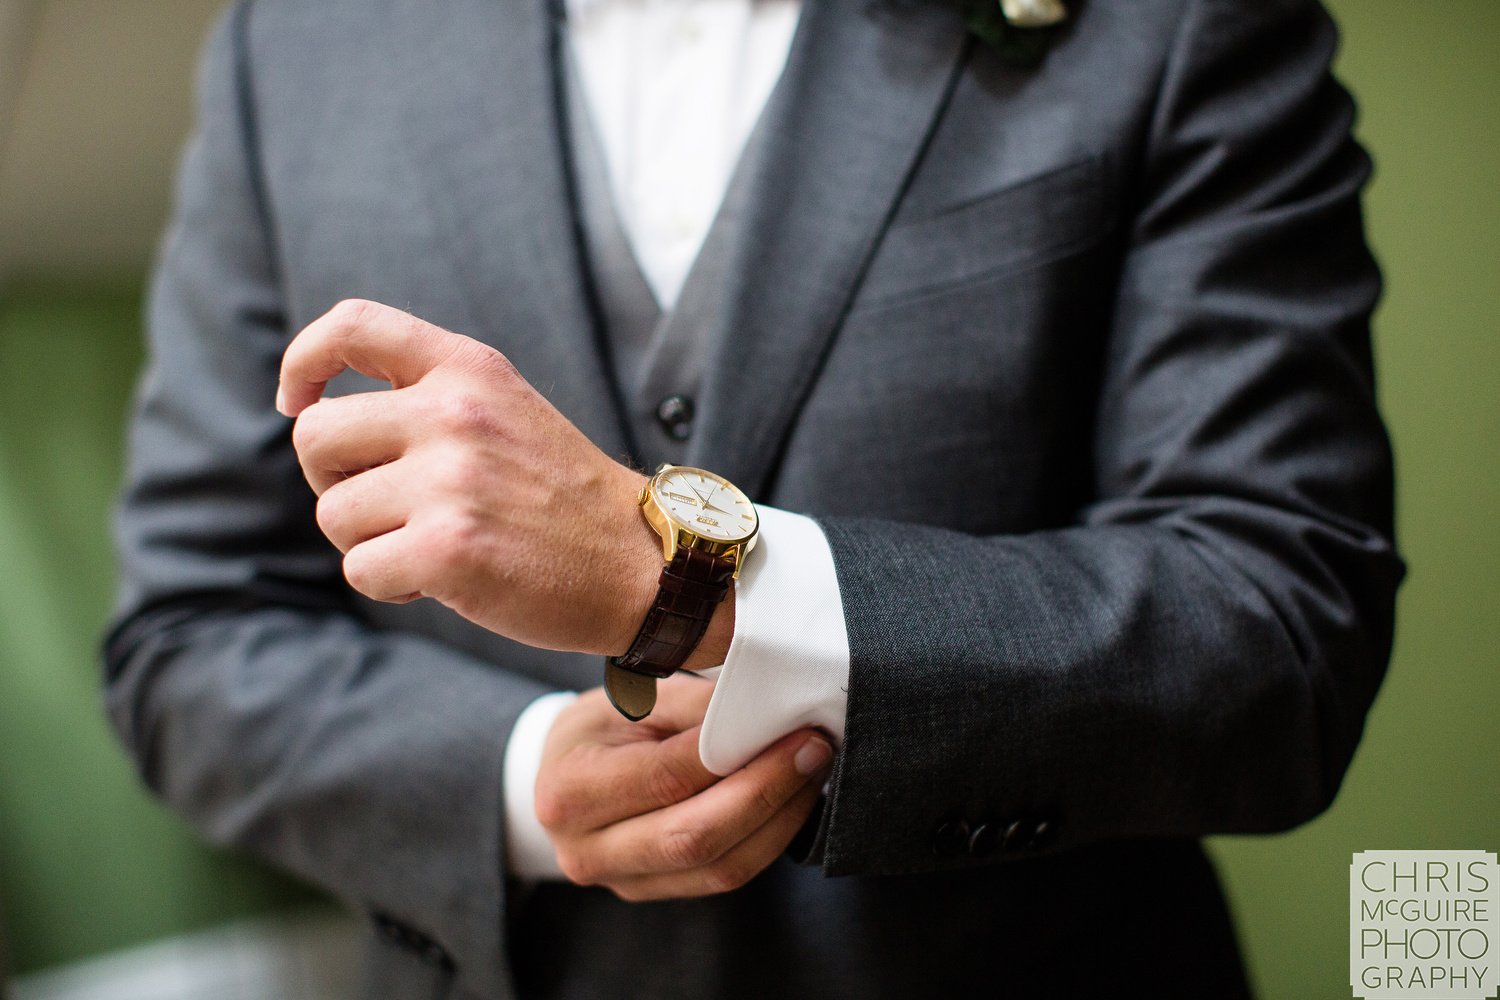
x,y
675,413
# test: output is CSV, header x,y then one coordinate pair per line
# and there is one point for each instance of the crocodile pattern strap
x,y
691,586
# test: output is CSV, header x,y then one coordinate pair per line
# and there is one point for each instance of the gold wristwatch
x,y
707,526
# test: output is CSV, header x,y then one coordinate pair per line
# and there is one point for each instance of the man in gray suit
x,y
1068,362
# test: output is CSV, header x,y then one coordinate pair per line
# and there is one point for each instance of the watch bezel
x,y
675,533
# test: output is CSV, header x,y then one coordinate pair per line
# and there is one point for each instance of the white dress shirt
x,y
675,88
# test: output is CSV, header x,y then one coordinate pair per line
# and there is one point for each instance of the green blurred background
x,y
88,863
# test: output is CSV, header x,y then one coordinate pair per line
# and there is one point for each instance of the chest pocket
x,y
1035,220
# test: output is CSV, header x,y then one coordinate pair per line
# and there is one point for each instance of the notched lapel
x,y
863,88
482,129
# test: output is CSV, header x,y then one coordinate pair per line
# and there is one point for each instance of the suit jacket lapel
x,y
860,95
484,133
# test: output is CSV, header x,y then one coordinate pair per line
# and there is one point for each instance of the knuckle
x,y
479,358
627,894
449,541
575,866
726,876
331,510
427,336
307,431
766,799
554,808
465,412
668,783
687,847
353,313
460,473
359,571
502,368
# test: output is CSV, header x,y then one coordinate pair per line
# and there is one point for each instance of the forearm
x,y
369,763
1111,680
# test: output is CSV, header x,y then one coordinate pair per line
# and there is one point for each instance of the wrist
x,y
707,526
640,571
639,594
639,582
714,646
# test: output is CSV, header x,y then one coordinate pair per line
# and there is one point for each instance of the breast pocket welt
x,y
1040,218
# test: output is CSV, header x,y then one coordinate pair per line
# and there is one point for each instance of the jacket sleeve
x,y
1196,654
253,698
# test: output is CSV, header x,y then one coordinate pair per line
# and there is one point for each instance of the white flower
x,y
1034,13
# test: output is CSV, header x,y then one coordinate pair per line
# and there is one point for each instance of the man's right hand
x,y
630,806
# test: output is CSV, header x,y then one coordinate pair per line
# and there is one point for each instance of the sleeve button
x,y
951,838
984,840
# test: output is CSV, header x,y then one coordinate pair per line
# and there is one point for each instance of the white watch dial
x,y
706,504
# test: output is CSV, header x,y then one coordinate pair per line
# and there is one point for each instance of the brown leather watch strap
x,y
691,586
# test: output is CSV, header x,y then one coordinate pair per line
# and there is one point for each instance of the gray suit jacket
x,y
1071,364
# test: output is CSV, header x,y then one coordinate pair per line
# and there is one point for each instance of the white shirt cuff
x,y
528,849
788,663
787,668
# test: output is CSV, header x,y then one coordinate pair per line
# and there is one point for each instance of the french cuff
x,y
529,853
788,661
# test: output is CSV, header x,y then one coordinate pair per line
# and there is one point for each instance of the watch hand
x,y
716,510
695,490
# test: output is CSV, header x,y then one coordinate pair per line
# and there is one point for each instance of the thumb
x,y
372,339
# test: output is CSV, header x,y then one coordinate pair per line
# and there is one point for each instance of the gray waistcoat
x,y
659,356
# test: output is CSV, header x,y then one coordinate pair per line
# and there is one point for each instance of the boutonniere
x,y
1020,30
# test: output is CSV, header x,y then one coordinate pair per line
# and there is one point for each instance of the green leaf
x,y
1023,47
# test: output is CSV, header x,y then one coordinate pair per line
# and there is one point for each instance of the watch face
x,y
705,504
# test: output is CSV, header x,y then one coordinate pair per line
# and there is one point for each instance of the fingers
x,y
384,568
336,438
734,868
700,831
637,812
617,769
365,506
596,785
681,703
371,338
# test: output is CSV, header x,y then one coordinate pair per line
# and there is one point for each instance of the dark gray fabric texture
x,y
1070,362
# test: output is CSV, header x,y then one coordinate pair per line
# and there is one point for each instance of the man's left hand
x,y
465,485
